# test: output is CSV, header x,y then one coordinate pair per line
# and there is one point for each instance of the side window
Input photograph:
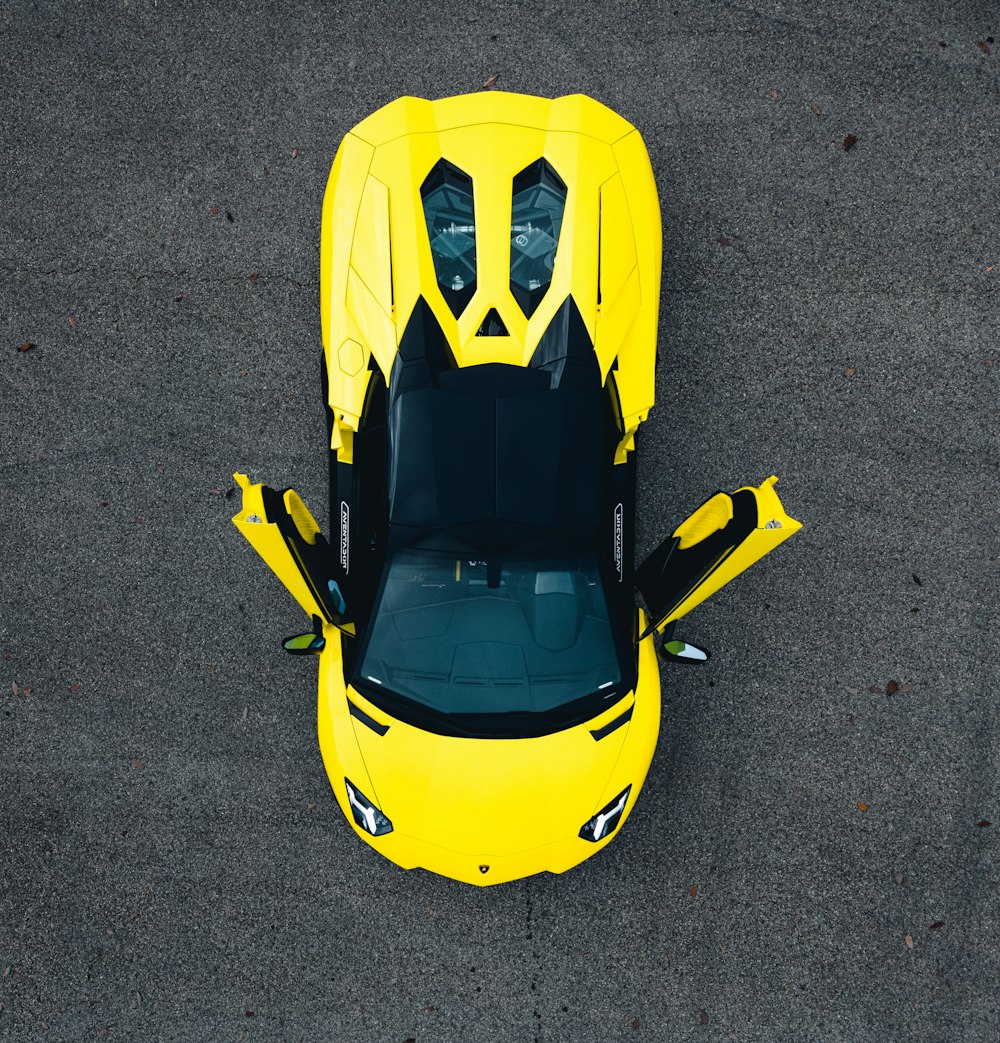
x,y
451,227
539,199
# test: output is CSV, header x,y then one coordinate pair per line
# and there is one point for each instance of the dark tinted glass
x,y
491,637
536,217
451,227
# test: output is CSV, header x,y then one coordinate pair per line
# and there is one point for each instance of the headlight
x,y
367,816
607,819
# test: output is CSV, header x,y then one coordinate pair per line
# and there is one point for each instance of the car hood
x,y
489,796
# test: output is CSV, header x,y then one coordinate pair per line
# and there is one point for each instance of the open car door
x,y
281,530
723,537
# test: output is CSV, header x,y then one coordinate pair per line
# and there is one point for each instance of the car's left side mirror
x,y
304,644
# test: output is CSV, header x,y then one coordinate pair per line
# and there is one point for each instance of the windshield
x,y
490,637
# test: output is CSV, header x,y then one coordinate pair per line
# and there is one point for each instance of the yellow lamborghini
x,y
489,694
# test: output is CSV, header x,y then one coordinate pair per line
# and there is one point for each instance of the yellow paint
x,y
712,515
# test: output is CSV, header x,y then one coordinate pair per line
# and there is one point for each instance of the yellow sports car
x,y
489,693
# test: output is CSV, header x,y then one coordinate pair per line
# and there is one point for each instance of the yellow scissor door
x,y
723,537
281,530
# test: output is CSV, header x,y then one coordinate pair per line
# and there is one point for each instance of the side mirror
x,y
683,652
304,644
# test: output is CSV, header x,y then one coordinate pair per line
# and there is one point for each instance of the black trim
x,y
313,559
356,711
613,726
671,573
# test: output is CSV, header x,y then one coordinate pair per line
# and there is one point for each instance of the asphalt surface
x,y
828,315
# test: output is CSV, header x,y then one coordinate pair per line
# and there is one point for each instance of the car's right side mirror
x,y
684,652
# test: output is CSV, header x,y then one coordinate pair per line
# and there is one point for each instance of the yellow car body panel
x,y
514,806
382,163
773,528
487,810
264,536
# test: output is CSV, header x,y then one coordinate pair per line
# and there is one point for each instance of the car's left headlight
x,y
367,816
607,819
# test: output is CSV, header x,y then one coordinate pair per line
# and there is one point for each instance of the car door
x,y
279,526
721,539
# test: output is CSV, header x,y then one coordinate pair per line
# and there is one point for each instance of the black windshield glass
x,y
461,637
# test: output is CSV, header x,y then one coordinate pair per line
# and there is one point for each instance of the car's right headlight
x,y
605,821
367,816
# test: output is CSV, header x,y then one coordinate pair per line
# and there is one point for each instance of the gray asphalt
x,y
828,315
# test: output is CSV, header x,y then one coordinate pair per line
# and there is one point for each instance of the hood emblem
x,y
484,869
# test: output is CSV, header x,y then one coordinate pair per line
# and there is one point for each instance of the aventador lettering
x,y
345,537
619,512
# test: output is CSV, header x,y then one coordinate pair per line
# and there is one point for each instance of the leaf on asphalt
x,y
723,241
635,1023
937,925
246,712
295,153
849,142
899,878
906,687
26,346
254,276
180,297
816,109
7,654
941,43
703,1016
311,805
138,765
250,1013
693,890
72,322
909,941
983,46
891,688
215,210
850,372
491,81
774,93
875,690
75,686
854,691
25,692
984,823
861,806
916,579
13,687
